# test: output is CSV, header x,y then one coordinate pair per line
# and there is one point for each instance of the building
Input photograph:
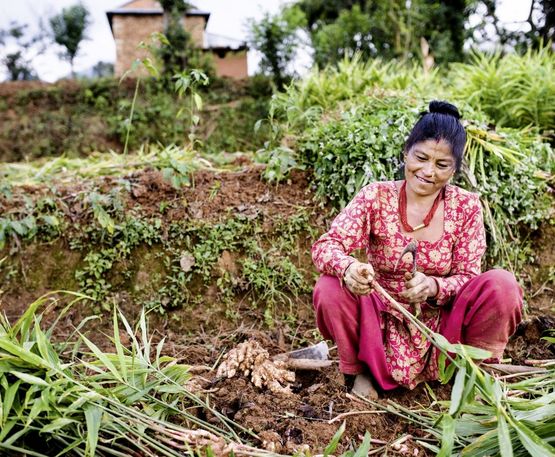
x,y
137,20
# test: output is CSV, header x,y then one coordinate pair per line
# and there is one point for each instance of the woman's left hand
x,y
419,288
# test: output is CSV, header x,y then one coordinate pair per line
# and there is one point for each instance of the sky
x,y
228,18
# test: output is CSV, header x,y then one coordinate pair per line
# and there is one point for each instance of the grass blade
x,y
363,449
93,416
102,358
504,436
119,346
330,448
7,403
29,378
532,442
448,436
457,392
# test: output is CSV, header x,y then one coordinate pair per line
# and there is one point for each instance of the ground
x,y
312,413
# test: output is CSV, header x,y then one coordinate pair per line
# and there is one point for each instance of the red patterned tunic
x,y
371,222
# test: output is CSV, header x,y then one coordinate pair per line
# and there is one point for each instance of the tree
x,y
17,59
276,38
103,69
389,29
320,12
545,28
537,29
177,50
434,30
351,32
68,30
445,28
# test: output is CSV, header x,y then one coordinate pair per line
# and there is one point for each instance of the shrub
x,y
513,90
349,126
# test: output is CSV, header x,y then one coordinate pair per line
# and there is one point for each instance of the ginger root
x,y
251,359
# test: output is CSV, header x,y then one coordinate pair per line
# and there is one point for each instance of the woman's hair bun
x,y
442,107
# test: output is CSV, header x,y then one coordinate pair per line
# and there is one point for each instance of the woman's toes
x,y
363,387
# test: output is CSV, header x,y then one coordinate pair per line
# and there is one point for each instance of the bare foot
x,y
363,387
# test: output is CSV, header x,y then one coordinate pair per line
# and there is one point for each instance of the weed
x,y
42,220
214,190
186,83
119,242
279,163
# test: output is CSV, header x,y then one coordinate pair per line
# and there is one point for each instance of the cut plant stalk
x,y
511,435
81,399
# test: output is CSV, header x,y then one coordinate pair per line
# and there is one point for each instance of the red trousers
x,y
483,314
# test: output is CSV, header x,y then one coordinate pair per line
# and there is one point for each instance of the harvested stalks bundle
x,y
249,358
110,404
203,439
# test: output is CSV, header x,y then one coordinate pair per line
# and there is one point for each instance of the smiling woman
x,y
441,226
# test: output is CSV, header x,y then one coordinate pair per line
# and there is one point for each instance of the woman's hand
x,y
358,278
419,288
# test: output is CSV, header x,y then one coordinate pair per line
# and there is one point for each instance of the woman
x,y
445,223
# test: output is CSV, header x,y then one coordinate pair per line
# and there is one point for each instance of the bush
x,y
513,90
359,146
349,126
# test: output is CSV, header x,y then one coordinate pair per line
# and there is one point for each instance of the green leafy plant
x,y
41,220
280,161
100,204
25,227
361,145
117,243
186,83
105,403
513,90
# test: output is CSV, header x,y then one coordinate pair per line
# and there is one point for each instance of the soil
x,y
311,414
212,195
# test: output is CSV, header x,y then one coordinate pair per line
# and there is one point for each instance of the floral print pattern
x,y
371,222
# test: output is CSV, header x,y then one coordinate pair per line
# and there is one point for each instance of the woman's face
x,y
428,166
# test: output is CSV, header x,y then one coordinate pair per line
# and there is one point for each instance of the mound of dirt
x,y
210,197
310,415
319,402
215,195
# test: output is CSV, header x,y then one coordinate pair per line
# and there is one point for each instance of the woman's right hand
x,y
358,278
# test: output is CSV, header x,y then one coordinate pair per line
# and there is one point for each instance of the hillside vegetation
x,y
74,118
202,227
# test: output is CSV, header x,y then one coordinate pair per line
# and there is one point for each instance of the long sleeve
x,y
348,231
467,252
